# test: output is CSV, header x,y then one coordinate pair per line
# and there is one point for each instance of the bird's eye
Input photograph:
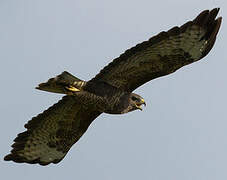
x,y
134,98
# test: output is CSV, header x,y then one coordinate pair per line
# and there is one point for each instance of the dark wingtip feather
x,y
207,20
8,157
206,16
213,14
212,26
211,36
202,18
18,159
13,157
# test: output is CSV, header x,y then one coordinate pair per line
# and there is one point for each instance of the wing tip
x,y
18,147
18,159
207,20
8,157
212,26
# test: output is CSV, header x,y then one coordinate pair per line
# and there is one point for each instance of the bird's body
x,y
51,134
94,94
106,93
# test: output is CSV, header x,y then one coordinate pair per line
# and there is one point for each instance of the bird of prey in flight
x,y
51,134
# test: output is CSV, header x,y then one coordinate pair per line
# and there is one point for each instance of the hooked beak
x,y
139,105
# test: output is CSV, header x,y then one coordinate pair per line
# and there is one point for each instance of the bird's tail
x,y
65,83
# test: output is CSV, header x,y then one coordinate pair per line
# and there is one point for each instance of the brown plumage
x,y
51,134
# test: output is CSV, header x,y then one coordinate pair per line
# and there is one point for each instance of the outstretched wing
x,y
51,134
164,53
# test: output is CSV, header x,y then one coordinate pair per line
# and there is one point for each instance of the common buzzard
x,y
51,134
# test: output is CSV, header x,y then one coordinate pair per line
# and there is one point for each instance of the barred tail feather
x,y
65,83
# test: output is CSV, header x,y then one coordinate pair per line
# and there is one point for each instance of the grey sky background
x,y
180,135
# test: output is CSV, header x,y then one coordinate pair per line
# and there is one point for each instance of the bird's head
x,y
136,102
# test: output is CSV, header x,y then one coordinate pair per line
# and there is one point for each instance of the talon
x,y
73,89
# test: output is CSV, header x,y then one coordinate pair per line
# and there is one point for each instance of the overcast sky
x,y
180,135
